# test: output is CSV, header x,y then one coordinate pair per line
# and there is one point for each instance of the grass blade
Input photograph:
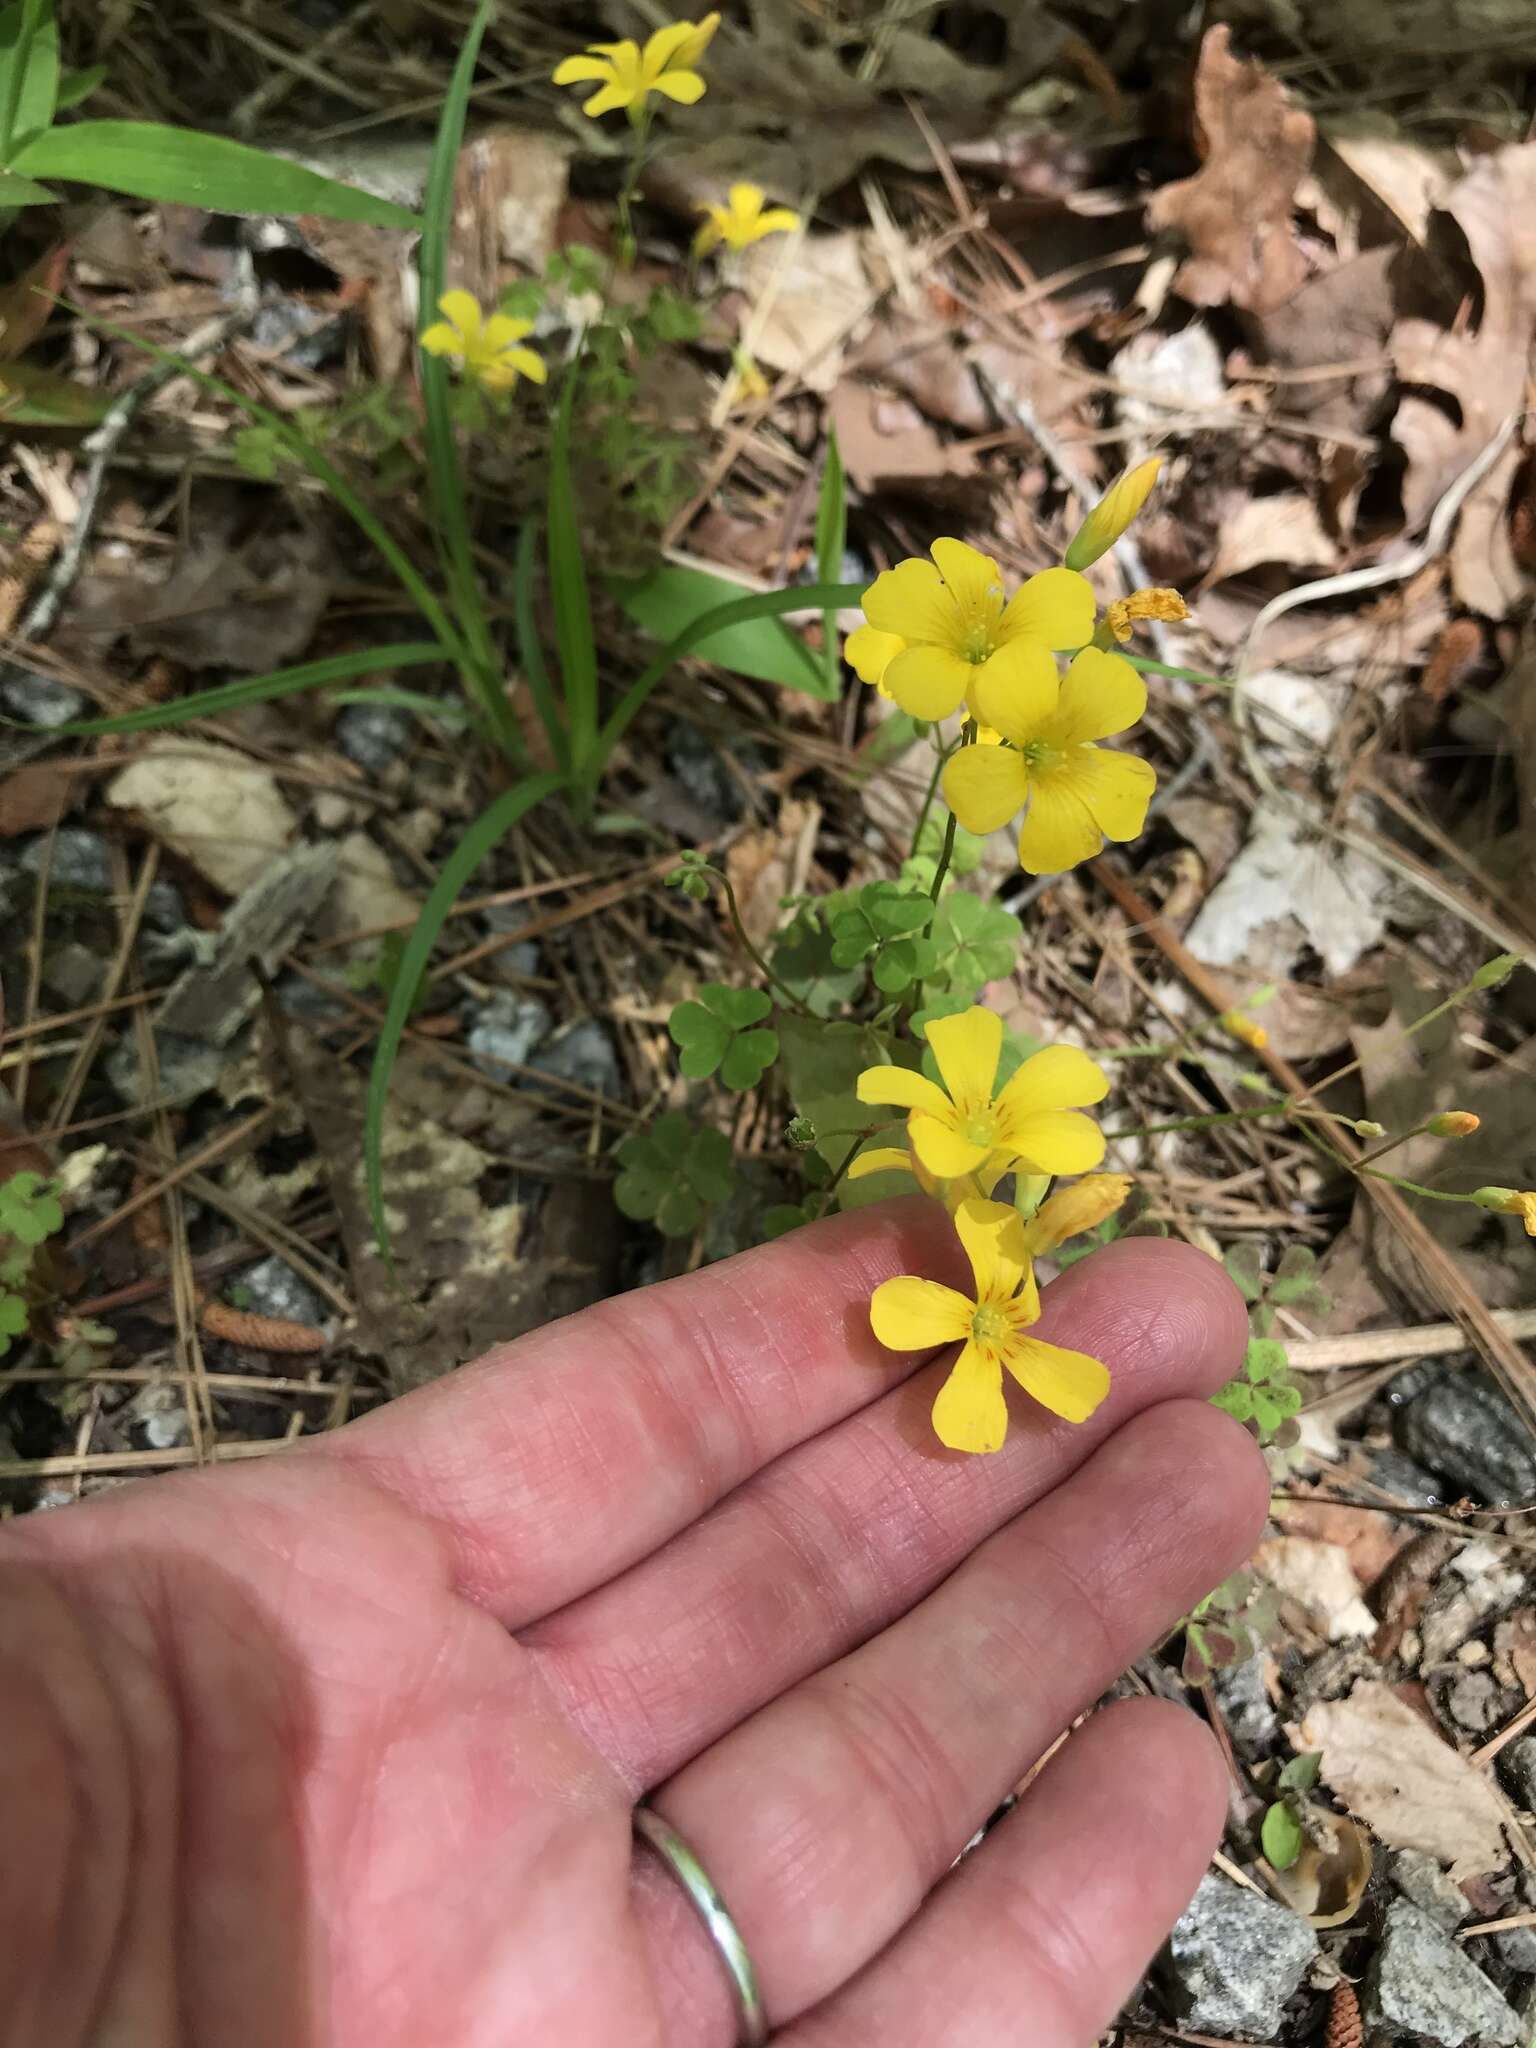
x,y
530,649
568,587
282,682
492,825
766,604
831,541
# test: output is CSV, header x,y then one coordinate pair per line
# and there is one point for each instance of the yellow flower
x,y
626,75
1237,1024
963,1187
743,221
487,349
910,1314
1071,1211
954,627
1034,1121
1078,794
1519,1202
1112,514
1166,605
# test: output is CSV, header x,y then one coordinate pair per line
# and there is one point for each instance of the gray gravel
x,y
1236,1958
1423,1985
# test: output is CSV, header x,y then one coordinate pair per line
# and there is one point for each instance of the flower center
x,y
980,1126
988,1325
1040,756
978,644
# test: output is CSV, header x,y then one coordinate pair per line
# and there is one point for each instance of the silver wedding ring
x,y
722,1930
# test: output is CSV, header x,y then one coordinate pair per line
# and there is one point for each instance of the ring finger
x,y
827,1817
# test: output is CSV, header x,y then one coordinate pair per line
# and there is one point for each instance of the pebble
x,y
81,860
505,1031
1476,1703
274,1289
374,735
41,701
1423,1984
188,1067
1237,1958
72,972
1250,1715
1407,1482
1465,1429
1517,1767
583,1053
1421,1878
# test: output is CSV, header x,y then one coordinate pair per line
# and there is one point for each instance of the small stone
x,y
164,909
1464,1428
72,972
585,1054
505,1031
188,1067
1421,1878
161,1414
1422,1983
1517,1767
1408,1483
39,700
373,735
1516,1947
272,1288
299,997
1476,1703
81,860
1237,1959
1244,1699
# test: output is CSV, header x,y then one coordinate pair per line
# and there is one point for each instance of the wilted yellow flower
x,y
1166,605
1239,1025
1519,1202
487,350
1077,794
1453,1123
1071,1211
1112,514
990,1326
626,75
743,221
1035,1121
937,628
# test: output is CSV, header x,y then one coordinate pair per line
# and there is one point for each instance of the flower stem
x,y
628,246
757,958
941,757
1412,1187
848,1158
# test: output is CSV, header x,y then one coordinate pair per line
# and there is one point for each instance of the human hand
x,y
341,1748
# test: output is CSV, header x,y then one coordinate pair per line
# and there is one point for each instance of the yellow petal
x,y
461,310
1056,608
966,1049
692,48
1056,1077
778,220
1114,788
993,1236
442,340
927,681
1016,690
975,583
903,1087
985,786
880,1159
576,70
911,600
501,330
1058,830
908,1314
970,1413
609,98
1069,1383
528,364
747,201
869,652
1100,694
1071,1211
662,47
1056,1141
941,1148
684,86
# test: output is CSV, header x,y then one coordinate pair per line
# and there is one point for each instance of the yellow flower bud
x,y
1151,603
1070,1211
1453,1123
1237,1024
1112,514
1519,1202
1363,1127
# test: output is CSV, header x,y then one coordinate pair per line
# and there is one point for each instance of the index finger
x,y
555,1462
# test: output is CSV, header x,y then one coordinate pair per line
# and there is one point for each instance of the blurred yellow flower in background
x,y
626,75
487,350
742,221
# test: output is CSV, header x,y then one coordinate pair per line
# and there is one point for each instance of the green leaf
x,y
1273,1407
748,1058
31,396
1300,1774
568,586
18,191
669,600
977,942
1282,1836
76,86
822,1061
1236,1397
831,541
492,826
283,682
13,1315
1245,1269
29,73
30,1208
670,1174
1265,1359
1296,1284
701,1039
802,958
148,160
530,649
715,1033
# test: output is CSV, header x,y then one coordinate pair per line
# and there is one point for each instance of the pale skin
x,y
338,1749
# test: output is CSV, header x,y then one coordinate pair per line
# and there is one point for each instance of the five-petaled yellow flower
x,y
990,1326
1035,1121
937,629
1078,794
488,349
626,75
742,221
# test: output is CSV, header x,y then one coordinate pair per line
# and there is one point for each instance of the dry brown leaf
x,y
768,865
33,798
1284,528
218,810
1484,572
508,189
1318,1576
884,440
808,302
1369,1540
1482,368
248,602
1407,180
1412,1789
1344,316
1235,212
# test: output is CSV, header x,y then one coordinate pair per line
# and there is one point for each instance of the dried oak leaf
x,y
1480,361
1235,212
